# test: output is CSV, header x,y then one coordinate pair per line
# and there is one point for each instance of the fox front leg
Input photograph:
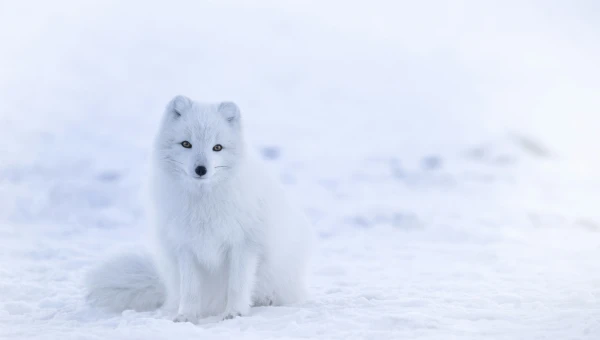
x,y
242,277
189,289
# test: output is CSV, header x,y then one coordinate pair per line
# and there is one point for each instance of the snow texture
x,y
446,152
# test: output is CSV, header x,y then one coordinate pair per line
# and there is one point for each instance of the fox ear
x,y
178,105
230,111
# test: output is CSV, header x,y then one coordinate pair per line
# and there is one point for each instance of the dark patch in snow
x,y
588,224
397,220
108,176
270,152
325,234
531,146
396,169
432,162
360,221
487,154
477,153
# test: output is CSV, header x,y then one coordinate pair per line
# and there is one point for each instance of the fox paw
x,y
264,301
185,318
229,316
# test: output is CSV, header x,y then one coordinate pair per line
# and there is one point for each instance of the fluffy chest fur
x,y
209,222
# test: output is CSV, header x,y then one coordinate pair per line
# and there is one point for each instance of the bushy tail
x,y
128,281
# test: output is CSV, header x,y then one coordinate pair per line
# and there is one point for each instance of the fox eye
x,y
218,147
186,144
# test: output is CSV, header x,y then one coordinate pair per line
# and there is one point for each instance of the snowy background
x,y
446,151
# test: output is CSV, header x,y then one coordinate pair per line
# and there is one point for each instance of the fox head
x,y
200,142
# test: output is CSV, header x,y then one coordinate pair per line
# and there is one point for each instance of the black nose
x,y
201,170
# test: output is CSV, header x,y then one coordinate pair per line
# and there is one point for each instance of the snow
x,y
446,153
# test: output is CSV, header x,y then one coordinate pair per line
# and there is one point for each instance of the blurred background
x,y
449,149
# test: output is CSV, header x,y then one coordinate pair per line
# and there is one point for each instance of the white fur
x,y
127,281
226,240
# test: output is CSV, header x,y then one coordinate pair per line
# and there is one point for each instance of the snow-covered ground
x,y
447,153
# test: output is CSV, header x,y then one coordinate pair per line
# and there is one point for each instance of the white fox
x,y
226,239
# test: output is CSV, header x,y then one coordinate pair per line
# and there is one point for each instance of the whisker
x,y
172,160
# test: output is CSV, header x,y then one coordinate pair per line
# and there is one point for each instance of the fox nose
x,y
201,170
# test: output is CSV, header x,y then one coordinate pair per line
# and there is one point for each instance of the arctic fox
x,y
225,238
